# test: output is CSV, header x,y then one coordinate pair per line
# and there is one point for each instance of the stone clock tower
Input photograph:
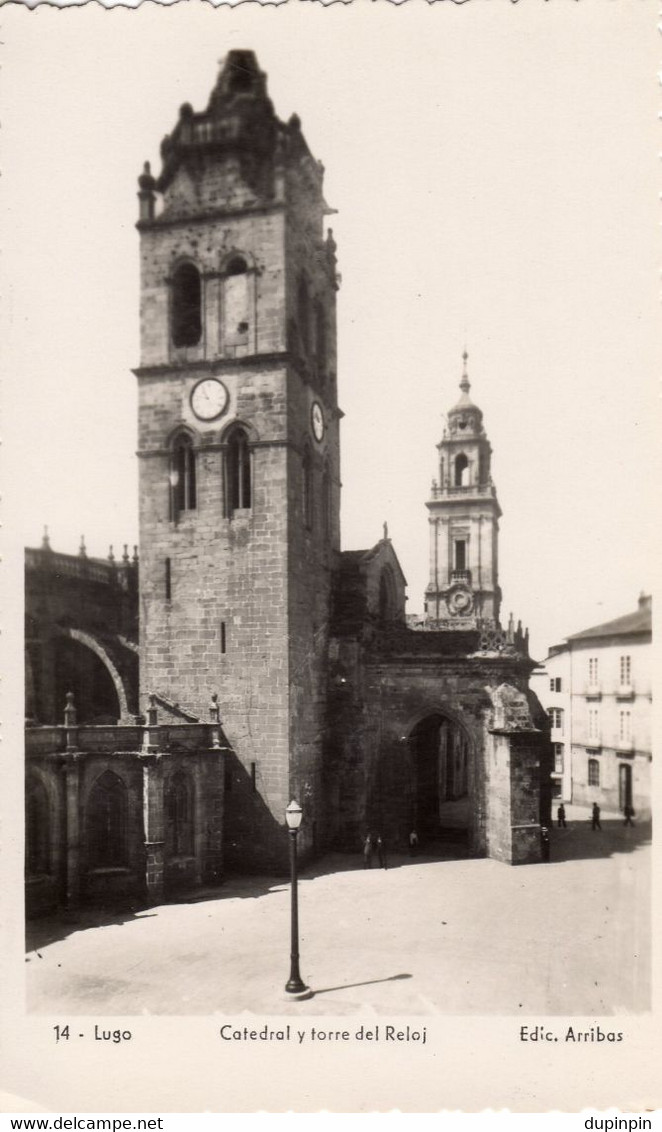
x,y
463,591
238,447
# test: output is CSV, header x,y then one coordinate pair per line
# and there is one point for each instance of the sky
x,y
494,169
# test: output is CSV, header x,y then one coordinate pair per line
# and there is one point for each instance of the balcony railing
x,y
625,692
593,692
439,491
461,576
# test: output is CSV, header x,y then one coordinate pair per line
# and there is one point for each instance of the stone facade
x,y
122,813
247,603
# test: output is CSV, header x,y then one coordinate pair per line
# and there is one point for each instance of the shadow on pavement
x,y
578,841
366,983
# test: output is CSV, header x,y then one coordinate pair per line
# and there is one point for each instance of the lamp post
x,y
295,986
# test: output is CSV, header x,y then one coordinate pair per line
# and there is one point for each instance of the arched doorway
x,y
440,779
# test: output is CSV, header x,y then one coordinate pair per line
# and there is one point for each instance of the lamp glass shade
x,y
293,815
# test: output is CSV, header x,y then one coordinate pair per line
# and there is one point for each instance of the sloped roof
x,y
638,622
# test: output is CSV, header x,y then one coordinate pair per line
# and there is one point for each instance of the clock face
x,y
460,601
209,398
317,420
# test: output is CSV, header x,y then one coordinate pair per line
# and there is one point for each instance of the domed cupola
x,y
465,418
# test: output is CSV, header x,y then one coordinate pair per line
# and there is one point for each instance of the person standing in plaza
x,y
381,852
413,843
629,814
367,852
595,817
560,814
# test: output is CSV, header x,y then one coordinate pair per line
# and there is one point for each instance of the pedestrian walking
x,y
381,853
629,814
560,814
595,817
413,843
544,842
367,852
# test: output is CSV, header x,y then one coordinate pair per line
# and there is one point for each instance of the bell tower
x,y
239,446
463,591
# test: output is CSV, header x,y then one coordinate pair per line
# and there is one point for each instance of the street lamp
x,y
295,986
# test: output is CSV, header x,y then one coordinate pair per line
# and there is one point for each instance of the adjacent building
x,y
596,688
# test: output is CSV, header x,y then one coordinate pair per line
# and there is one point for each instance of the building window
x,y
461,470
593,724
558,758
179,816
556,718
37,829
236,303
303,315
624,727
307,491
320,339
238,472
183,485
555,684
626,670
593,670
107,822
186,306
460,554
593,772
326,504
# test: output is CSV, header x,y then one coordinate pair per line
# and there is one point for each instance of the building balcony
x,y
448,491
625,746
625,692
593,746
593,692
461,576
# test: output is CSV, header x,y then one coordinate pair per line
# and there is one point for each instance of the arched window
x,y
307,490
107,823
236,304
593,772
179,816
303,314
37,828
182,475
238,472
186,306
461,470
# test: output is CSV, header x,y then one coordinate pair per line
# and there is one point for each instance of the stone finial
x,y
111,556
464,384
146,195
135,555
152,714
70,711
214,709
385,531
511,628
45,540
82,549
125,555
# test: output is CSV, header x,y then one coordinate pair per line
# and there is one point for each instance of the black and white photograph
x,y
330,452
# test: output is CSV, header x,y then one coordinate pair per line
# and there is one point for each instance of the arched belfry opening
x,y
440,755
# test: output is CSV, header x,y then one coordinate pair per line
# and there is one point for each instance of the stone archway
x,y
113,678
440,778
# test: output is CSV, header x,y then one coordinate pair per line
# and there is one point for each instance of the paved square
x,y
425,936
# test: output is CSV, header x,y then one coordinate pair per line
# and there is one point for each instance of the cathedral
x,y
272,664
